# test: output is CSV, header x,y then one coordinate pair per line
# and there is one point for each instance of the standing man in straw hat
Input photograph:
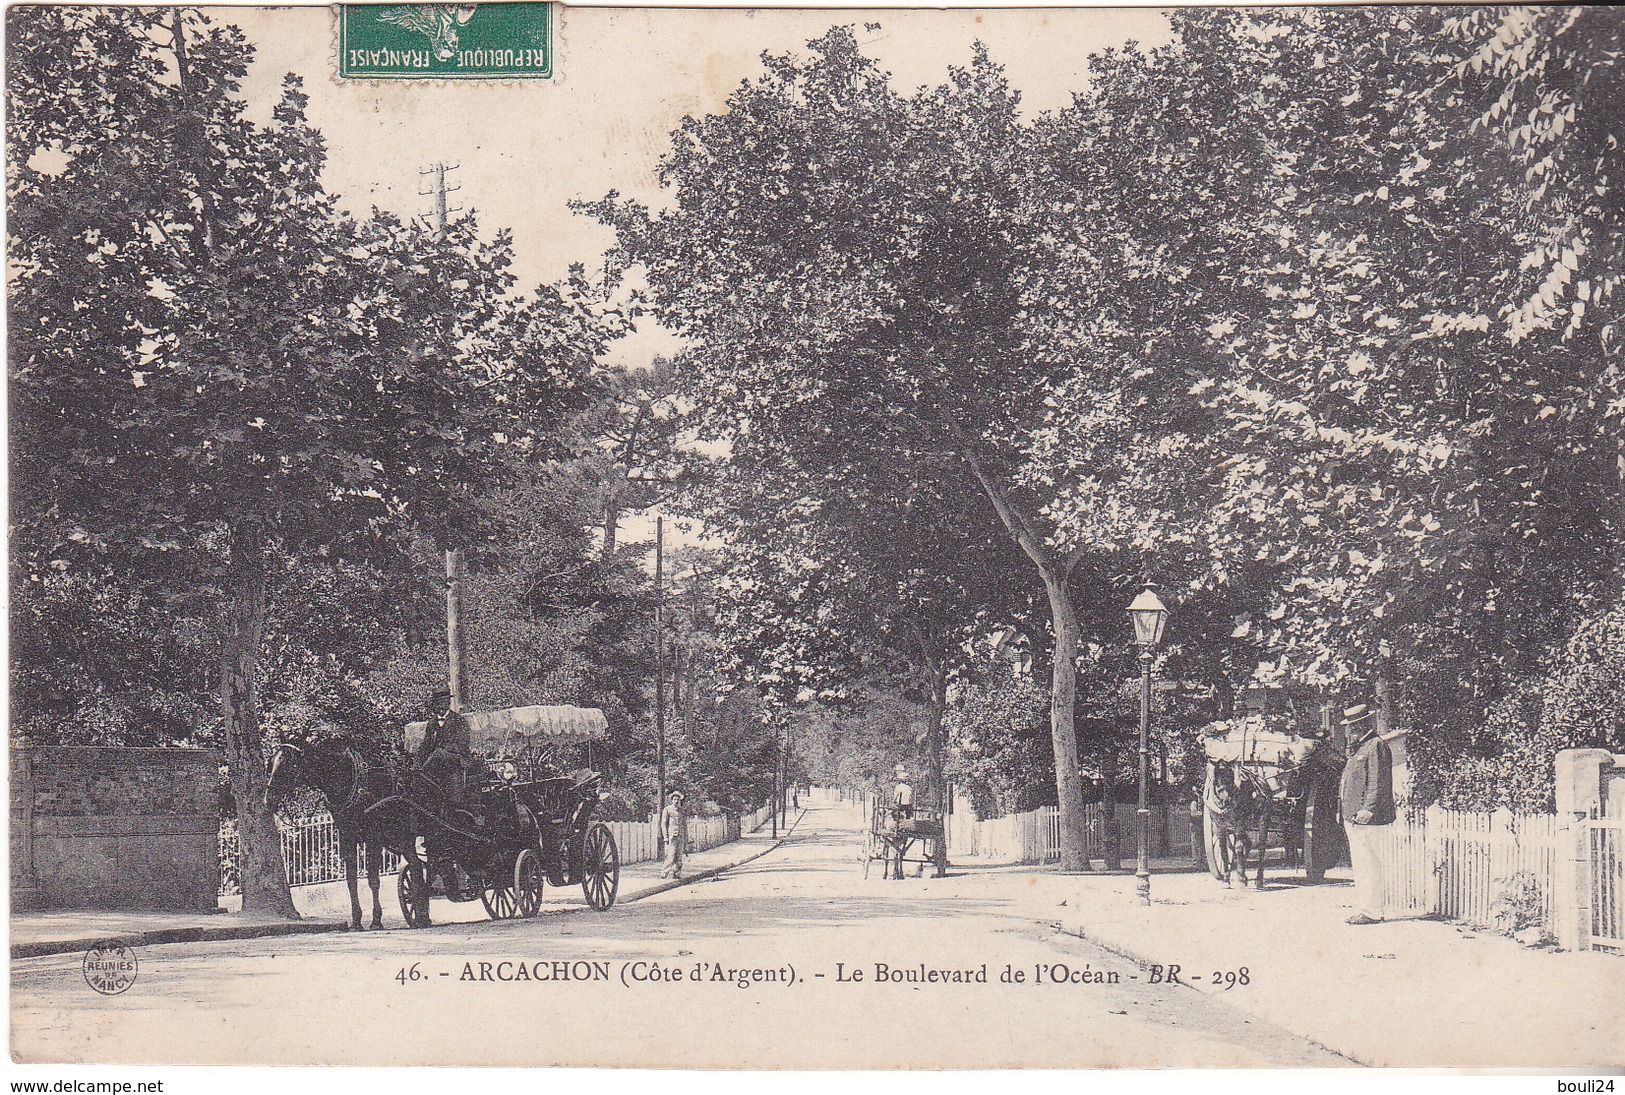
x,y
1367,805
674,831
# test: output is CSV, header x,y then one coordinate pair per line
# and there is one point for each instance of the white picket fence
x,y
638,841
310,846
1034,836
753,821
1460,865
1452,864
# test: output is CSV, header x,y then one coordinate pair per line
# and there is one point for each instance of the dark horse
x,y
352,788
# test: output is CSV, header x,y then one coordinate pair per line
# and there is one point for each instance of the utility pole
x,y
456,645
660,671
778,759
784,774
440,215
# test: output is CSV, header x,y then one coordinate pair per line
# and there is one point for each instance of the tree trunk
x,y
934,744
1064,672
264,877
1063,736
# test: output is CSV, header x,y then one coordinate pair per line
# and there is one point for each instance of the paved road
x,y
769,943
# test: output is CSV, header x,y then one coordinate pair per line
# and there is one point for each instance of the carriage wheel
x,y
876,847
498,896
527,882
600,867
413,891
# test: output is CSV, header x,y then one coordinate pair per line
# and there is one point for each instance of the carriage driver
x,y
902,802
443,756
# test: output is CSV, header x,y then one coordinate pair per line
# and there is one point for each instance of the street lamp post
x,y
1148,616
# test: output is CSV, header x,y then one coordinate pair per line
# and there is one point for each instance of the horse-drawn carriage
x,y
517,816
894,833
525,821
1269,788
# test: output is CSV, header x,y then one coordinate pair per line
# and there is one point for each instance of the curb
x,y
158,936
1126,952
712,872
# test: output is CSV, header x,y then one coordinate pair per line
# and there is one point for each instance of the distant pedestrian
x,y
674,831
1366,802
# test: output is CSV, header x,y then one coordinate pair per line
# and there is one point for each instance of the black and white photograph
x,y
805,539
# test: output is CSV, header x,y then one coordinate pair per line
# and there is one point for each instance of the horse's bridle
x,y
358,769
276,753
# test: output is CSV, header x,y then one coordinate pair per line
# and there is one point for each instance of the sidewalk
x,y
1409,993
326,907
60,931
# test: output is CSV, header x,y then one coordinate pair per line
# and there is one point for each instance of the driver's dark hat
x,y
440,699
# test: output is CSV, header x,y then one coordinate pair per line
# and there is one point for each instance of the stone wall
x,y
114,828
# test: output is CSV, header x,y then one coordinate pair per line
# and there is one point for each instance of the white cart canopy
x,y
515,729
1246,742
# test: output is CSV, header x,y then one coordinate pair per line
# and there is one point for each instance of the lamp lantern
x,y
1149,615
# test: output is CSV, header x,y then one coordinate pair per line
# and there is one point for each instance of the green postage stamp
x,y
505,41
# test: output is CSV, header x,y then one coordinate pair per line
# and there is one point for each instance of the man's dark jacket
x,y
1368,782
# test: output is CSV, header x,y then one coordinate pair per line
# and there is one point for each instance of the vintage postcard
x,y
1067,538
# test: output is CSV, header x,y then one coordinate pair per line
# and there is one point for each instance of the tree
x,y
1549,82
209,361
102,660
997,752
636,426
902,573
854,270
1356,467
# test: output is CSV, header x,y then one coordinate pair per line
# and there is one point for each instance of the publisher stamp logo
x,y
110,968
506,41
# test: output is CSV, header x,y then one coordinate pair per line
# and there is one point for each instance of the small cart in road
x,y
899,835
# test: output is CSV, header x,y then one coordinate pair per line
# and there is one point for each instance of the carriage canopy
x,y
517,729
1247,741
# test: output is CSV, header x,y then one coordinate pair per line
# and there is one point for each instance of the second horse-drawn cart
x,y
895,832
525,821
1269,787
